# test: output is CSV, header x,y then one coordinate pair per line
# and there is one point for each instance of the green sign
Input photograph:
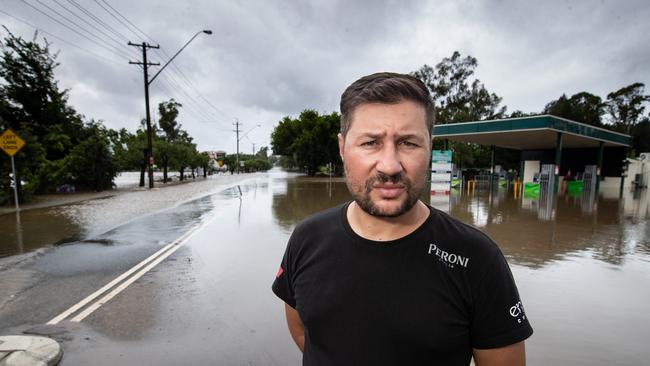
x,y
441,156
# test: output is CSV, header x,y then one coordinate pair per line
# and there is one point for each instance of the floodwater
x,y
51,226
582,266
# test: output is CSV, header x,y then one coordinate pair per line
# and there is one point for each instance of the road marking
x,y
148,264
97,304
108,286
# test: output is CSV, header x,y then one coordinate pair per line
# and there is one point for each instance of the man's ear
x,y
341,145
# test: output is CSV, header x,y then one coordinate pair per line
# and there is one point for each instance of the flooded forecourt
x,y
582,266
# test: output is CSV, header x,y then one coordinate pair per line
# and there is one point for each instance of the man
x,y
386,279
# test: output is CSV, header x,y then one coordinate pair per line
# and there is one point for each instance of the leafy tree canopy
x,y
61,148
309,141
626,105
581,107
458,98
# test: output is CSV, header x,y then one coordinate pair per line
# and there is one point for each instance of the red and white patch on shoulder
x,y
280,272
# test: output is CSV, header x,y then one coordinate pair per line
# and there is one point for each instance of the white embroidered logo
x,y
450,259
516,310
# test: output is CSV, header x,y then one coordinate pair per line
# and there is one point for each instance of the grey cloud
x,y
268,59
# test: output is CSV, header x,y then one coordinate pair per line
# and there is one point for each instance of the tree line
x,y
308,142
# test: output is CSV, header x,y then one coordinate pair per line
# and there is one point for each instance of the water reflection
x,y
531,232
58,226
32,229
302,197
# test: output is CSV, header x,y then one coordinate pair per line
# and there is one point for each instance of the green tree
x,y
230,161
34,106
182,157
626,105
581,107
310,140
456,97
460,98
168,112
263,153
171,130
641,136
518,114
91,164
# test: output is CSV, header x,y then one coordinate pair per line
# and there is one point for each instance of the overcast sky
x,y
269,59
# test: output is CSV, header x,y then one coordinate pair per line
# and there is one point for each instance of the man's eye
x,y
369,143
408,143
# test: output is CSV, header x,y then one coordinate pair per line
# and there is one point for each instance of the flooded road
x,y
582,268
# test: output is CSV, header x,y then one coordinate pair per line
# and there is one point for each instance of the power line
x,y
174,66
61,39
182,90
194,107
108,35
97,19
128,21
87,22
119,20
72,29
120,50
134,29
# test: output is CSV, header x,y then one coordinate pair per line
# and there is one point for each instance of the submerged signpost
x,y
441,167
11,144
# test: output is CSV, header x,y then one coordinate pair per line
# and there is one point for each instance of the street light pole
x,y
147,82
206,31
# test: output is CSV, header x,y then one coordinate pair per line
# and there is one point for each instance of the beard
x,y
361,194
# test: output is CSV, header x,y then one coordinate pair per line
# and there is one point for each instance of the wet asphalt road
x,y
209,303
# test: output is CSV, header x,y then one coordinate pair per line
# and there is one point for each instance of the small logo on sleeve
x,y
517,312
280,272
450,259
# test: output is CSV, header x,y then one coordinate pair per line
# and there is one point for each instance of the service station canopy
x,y
530,133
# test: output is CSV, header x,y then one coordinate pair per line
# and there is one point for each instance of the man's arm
x,y
512,355
296,328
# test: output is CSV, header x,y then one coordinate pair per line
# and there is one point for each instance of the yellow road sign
x,y
10,142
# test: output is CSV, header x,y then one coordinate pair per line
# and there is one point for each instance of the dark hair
x,y
387,88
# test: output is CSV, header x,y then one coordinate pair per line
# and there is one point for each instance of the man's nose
x,y
389,161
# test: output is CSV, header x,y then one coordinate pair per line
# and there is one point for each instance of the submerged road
x,y
187,285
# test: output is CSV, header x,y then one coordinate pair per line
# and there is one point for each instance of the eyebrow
x,y
372,135
380,135
409,136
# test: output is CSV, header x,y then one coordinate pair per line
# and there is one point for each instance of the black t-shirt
x,y
425,299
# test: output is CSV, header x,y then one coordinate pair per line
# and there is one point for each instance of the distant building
x,y
216,159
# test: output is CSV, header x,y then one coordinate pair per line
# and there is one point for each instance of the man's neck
x,y
386,228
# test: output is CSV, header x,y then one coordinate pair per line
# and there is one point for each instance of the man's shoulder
x,y
322,220
452,232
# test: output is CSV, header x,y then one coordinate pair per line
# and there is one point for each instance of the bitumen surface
x,y
209,302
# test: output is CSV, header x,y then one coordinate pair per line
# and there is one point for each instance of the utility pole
x,y
253,147
145,66
237,124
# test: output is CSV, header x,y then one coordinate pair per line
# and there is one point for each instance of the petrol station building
x,y
547,139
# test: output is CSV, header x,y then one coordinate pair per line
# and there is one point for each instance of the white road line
x,y
152,260
97,304
107,287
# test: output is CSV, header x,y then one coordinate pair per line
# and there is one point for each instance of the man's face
x,y
386,154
